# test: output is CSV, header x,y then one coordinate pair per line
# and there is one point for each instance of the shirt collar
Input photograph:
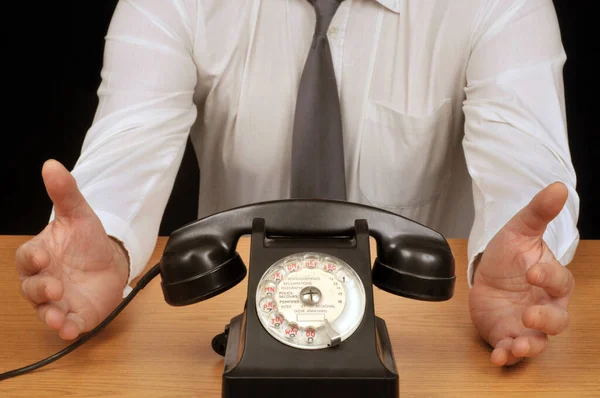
x,y
392,5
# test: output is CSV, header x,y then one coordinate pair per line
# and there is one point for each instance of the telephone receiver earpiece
x,y
200,259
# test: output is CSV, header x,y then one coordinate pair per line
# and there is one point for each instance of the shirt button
x,y
332,30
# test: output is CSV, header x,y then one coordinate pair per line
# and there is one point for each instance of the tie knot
x,y
325,10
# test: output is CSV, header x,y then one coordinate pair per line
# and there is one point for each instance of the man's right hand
x,y
72,272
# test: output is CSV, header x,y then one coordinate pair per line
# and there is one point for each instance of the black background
x,y
58,74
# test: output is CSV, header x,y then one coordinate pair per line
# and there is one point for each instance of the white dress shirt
x,y
453,111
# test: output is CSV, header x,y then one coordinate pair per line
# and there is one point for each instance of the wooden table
x,y
152,349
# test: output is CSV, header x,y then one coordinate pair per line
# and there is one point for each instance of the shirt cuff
x,y
120,230
563,249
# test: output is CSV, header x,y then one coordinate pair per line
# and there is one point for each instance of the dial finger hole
x,y
268,289
276,320
267,305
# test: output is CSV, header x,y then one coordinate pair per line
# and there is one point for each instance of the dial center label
x,y
330,306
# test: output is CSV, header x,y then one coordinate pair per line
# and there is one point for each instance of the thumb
x,y
533,219
63,191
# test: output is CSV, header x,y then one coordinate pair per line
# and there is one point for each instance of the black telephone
x,y
308,328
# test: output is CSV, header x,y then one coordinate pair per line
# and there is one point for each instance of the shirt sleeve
x,y
516,139
133,150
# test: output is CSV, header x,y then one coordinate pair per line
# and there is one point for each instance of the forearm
x,y
516,142
132,152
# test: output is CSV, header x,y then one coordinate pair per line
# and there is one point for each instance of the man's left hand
x,y
520,292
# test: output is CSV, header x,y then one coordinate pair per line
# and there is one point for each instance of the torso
x,y
401,79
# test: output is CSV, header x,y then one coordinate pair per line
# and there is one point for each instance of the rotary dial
x,y
310,300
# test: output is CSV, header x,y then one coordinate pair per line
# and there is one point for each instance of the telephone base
x,y
275,377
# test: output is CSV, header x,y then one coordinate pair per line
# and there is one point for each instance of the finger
x,y
63,191
40,289
31,257
529,344
533,219
52,315
502,354
74,325
555,279
551,319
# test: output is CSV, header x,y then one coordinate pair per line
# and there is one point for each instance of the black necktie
x,y
317,142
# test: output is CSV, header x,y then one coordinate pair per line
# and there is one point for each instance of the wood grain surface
x,y
154,350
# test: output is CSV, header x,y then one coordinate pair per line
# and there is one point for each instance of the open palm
x,y
520,291
72,272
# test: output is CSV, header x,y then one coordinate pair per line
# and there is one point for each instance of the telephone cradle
x,y
308,328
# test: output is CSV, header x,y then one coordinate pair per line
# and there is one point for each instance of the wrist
x,y
476,262
121,259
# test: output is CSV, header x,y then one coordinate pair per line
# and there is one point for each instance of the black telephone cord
x,y
144,280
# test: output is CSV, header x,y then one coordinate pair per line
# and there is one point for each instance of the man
x,y
453,115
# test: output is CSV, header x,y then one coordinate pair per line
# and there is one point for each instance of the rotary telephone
x,y
308,328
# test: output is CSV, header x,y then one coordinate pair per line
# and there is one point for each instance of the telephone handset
x,y
308,327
